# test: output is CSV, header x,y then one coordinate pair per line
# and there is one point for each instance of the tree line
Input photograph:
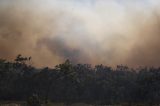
x,y
70,83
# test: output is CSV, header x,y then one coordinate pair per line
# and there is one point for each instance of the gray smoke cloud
x,y
110,32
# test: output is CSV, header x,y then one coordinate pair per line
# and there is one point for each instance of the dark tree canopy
x,y
78,83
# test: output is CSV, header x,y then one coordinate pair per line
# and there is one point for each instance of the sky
x,y
108,32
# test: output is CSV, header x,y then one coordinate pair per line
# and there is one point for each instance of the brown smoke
x,y
146,49
106,32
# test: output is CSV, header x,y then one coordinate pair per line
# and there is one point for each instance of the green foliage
x,y
70,83
33,101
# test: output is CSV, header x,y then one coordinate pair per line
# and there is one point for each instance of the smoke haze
x,y
110,32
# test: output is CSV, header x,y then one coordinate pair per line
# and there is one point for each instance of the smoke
x,y
110,32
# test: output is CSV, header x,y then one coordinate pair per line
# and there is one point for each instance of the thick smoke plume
x,y
110,32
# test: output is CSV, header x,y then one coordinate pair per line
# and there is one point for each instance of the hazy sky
x,y
110,32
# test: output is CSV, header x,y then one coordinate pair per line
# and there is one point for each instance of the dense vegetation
x,y
78,83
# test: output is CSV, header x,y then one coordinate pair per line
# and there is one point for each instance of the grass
x,y
23,103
